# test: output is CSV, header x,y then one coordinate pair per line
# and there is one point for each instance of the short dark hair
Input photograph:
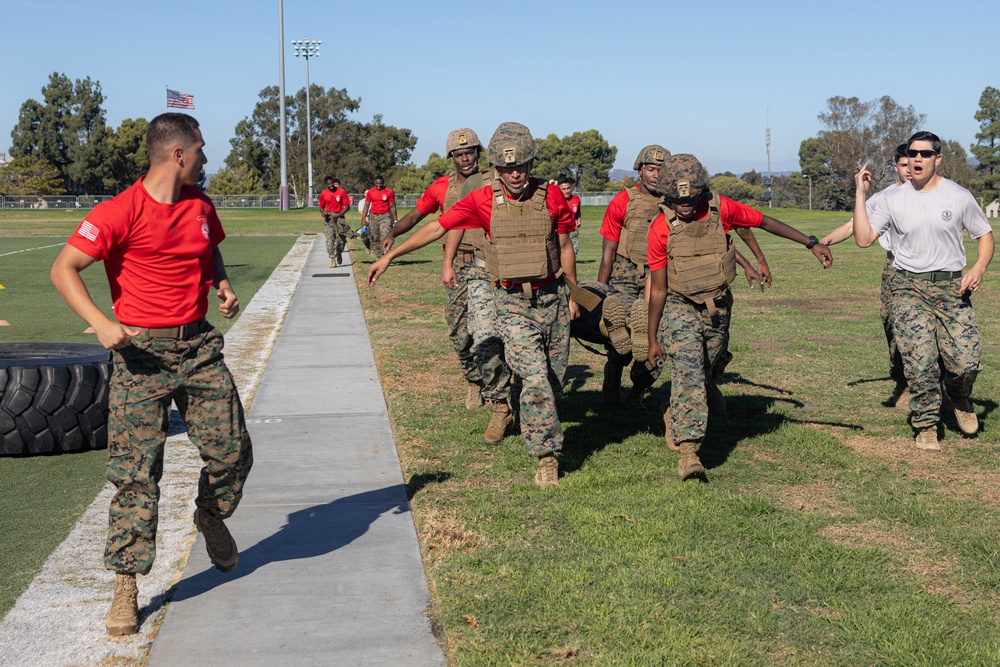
x,y
900,153
379,178
562,179
327,179
168,129
926,136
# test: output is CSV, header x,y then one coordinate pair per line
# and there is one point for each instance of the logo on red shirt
x,y
204,226
88,231
385,197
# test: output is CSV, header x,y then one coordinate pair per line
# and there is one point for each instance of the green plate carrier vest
x,y
701,261
522,246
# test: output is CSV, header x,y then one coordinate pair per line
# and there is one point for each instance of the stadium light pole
x,y
308,49
283,142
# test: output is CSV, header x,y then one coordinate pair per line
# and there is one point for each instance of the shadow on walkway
x,y
313,531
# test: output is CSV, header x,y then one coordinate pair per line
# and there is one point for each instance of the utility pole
x,y
283,190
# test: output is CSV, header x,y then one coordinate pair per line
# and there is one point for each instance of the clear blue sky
x,y
699,77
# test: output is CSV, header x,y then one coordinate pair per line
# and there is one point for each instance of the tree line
x,y
63,143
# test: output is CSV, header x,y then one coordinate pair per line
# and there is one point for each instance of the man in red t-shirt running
x,y
159,243
379,214
334,203
695,302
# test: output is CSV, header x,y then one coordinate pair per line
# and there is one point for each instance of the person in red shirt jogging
x,y
334,203
694,300
469,313
566,187
379,214
159,243
528,253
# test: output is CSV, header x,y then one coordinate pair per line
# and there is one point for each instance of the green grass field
x,y
822,538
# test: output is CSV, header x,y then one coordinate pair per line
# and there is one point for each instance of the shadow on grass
x,y
307,533
418,482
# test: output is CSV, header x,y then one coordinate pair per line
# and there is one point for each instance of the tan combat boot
x,y
927,439
614,323
500,420
716,401
219,544
548,471
473,396
690,467
612,387
665,409
965,415
900,396
639,320
123,618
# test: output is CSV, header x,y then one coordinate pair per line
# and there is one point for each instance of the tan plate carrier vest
x,y
639,214
522,246
474,240
701,261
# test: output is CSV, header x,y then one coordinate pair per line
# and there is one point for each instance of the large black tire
x,y
53,398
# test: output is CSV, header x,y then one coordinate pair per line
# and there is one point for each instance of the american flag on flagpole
x,y
177,100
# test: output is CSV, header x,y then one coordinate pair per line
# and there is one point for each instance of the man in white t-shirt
x,y
932,312
901,394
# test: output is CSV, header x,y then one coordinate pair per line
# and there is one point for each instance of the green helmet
x,y
459,139
652,154
682,176
511,145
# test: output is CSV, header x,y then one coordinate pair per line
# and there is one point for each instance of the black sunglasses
x,y
910,152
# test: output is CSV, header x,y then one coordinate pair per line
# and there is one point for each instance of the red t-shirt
x,y
574,208
476,209
733,214
433,198
614,217
334,201
380,200
158,257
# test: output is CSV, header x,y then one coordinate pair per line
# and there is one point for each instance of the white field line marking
x,y
41,247
59,620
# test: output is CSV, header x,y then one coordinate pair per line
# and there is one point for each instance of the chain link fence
x,y
68,202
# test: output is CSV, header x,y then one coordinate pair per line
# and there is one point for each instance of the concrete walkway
x,y
330,571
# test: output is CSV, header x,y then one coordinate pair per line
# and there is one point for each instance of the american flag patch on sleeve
x,y
88,231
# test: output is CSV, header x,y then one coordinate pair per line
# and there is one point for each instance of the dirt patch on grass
x,y
900,454
442,533
929,564
810,498
838,306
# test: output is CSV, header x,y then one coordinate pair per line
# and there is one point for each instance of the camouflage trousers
x,y
627,279
885,312
932,320
574,238
456,317
336,230
147,375
696,344
379,226
487,344
536,342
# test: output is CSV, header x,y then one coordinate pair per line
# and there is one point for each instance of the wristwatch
x,y
812,241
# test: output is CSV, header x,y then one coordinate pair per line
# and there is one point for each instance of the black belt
x,y
932,276
180,332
